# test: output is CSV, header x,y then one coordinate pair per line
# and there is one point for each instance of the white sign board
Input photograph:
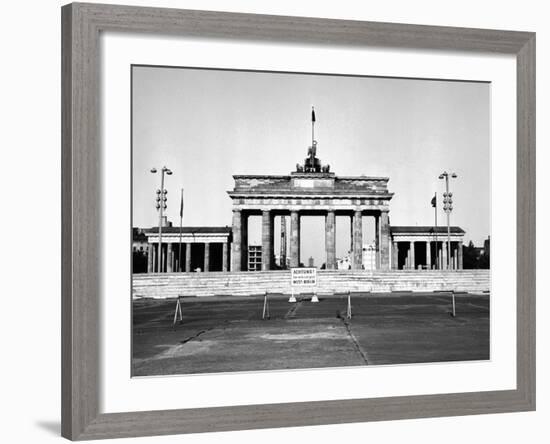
x,y
303,277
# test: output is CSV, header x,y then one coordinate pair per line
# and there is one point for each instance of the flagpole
x,y
313,153
435,233
312,126
181,227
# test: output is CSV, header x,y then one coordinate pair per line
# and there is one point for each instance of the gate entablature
x,y
310,191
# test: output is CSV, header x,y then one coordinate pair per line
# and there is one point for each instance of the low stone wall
x,y
171,285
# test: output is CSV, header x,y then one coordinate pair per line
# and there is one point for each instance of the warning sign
x,y
303,277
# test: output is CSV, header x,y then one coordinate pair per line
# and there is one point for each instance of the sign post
x,y
303,277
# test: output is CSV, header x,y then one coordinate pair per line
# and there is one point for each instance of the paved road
x,y
225,335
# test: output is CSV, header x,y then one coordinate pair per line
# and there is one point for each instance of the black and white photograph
x,y
300,221
238,221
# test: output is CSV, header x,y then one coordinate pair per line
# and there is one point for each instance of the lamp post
x,y
448,208
161,206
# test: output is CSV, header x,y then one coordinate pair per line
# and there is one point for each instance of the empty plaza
x,y
228,334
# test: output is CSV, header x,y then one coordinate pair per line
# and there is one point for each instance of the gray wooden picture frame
x,y
81,175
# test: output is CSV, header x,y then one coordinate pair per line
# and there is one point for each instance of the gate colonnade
x,y
415,247
304,194
205,248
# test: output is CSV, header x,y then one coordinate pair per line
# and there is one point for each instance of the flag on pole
x,y
434,202
312,114
181,205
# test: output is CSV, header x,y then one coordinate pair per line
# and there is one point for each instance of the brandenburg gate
x,y
310,190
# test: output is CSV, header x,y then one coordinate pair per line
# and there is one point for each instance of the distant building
x,y
254,257
343,263
310,262
369,257
139,251
139,240
477,257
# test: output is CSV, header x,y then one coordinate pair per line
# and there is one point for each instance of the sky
x,y
207,125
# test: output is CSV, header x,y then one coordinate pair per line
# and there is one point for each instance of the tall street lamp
x,y
161,206
448,208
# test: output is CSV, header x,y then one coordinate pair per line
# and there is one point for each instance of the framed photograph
x,y
285,220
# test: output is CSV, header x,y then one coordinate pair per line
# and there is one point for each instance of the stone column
x,y
377,241
164,256
294,239
224,256
357,261
351,237
237,245
188,257
330,240
411,255
267,239
384,240
169,257
150,263
272,241
160,257
455,257
155,248
394,256
428,255
444,255
460,259
283,242
206,266
244,249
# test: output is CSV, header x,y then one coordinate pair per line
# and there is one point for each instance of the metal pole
x,y
312,156
181,227
160,267
435,234
448,226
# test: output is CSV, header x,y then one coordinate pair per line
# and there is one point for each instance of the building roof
x,y
425,229
190,230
